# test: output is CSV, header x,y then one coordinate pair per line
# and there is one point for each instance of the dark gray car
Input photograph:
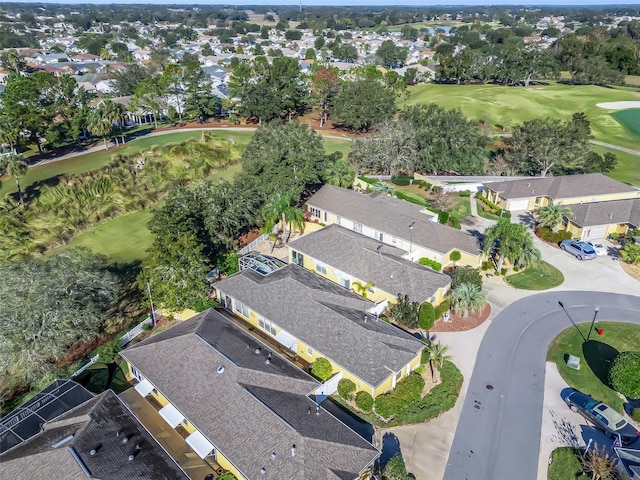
x,y
602,416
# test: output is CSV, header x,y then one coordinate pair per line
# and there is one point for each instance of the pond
x,y
629,119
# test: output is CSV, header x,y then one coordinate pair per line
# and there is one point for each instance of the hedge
x,y
407,198
443,307
364,401
545,233
402,180
427,316
322,369
464,193
443,217
492,207
407,391
346,388
427,262
370,181
624,376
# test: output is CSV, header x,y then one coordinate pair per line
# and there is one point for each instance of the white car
x,y
599,247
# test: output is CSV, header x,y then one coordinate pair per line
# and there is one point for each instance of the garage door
x,y
519,204
594,233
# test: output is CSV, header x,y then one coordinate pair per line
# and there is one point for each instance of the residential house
x,y
97,438
393,222
351,259
531,193
600,219
241,406
313,317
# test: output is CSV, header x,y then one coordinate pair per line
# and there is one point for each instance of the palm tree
x,y
553,215
16,167
526,253
598,463
467,298
9,134
437,356
102,119
279,209
339,173
362,288
383,188
511,240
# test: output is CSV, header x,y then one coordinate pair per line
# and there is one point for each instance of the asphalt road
x,y
498,436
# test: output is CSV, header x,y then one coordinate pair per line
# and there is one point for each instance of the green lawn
x,y
564,464
460,206
595,357
513,105
536,277
334,145
628,167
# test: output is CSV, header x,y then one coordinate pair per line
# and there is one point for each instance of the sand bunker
x,y
619,105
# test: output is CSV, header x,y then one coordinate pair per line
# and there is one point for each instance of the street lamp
x,y
595,314
411,225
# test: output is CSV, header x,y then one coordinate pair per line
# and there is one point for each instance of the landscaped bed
x,y
564,464
595,357
460,324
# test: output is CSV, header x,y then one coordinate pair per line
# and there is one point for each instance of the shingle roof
x,y
357,255
604,213
392,216
566,186
252,408
94,425
327,317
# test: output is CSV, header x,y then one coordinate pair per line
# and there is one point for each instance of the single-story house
x,y
313,317
393,222
531,193
347,258
88,441
601,219
242,406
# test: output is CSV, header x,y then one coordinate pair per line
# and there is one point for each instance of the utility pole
x,y
153,315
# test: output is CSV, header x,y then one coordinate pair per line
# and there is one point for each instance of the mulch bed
x,y
459,324
631,269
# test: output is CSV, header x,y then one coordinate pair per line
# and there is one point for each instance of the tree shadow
x,y
599,357
390,447
527,218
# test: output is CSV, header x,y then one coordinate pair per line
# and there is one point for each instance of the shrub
x,y
493,208
109,352
322,369
503,271
364,401
631,253
443,307
548,235
635,414
227,476
455,256
427,316
402,180
427,262
395,469
623,374
407,391
487,265
455,223
443,217
405,312
370,181
420,182
346,388
464,193
467,274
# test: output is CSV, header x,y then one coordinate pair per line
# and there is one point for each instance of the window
x,y
242,309
325,217
309,351
357,227
345,282
135,373
378,236
393,240
321,268
267,326
297,258
315,211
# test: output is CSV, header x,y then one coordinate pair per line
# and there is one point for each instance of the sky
x,y
414,3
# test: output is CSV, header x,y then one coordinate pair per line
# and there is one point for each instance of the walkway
x,y
615,147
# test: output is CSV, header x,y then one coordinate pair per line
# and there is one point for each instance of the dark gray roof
x,y
566,186
357,255
94,425
604,213
252,408
327,317
392,217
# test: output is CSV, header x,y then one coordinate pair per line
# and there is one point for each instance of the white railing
x,y
138,329
93,360
248,248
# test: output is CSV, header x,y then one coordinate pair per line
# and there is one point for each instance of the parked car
x,y
580,250
602,416
599,247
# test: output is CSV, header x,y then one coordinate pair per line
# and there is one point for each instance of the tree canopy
x,y
362,103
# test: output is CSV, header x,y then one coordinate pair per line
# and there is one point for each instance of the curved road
x,y
498,436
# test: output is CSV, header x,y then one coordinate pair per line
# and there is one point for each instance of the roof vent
x,y
273,456
610,215
258,350
131,457
263,471
293,450
125,440
94,450
220,369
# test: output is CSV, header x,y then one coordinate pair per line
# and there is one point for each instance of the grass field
x,y
595,357
628,167
513,105
564,464
537,277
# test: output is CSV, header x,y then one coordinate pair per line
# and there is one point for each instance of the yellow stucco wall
x,y
227,465
575,230
578,232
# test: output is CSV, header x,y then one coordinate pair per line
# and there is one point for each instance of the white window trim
x,y
321,268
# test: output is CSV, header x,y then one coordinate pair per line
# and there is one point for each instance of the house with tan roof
x,y
600,219
393,222
240,406
376,271
313,317
531,193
